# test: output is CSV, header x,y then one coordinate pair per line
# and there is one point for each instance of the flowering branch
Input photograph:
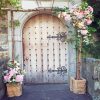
x,y
81,17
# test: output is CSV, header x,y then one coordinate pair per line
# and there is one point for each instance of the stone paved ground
x,y
48,92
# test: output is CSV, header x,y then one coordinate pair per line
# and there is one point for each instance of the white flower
x,y
63,14
18,64
15,62
59,15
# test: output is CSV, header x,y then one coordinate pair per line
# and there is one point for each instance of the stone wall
x,y
91,72
3,62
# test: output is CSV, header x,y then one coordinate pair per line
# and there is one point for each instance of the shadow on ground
x,y
48,92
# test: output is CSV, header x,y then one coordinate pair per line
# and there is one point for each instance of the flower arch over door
x,y
45,60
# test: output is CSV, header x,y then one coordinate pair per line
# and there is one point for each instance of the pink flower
x,y
80,15
86,12
19,78
7,78
67,17
12,72
88,21
84,32
90,9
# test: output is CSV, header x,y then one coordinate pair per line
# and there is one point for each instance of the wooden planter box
x,y
78,86
14,89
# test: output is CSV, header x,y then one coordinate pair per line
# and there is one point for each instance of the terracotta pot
x,y
78,86
14,89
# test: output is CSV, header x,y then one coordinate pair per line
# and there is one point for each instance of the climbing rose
x,y
88,21
90,9
84,32
80,15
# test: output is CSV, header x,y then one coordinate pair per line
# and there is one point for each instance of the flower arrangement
x,y
13,73
81,17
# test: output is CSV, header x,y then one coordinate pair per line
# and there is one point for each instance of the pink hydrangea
x,y
12,72
19,78
7,78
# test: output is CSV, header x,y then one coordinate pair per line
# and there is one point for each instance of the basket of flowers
x,y
13,77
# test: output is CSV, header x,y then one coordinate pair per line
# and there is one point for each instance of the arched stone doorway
x,y
45,60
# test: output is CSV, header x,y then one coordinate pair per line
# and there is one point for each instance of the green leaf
x,y
91,29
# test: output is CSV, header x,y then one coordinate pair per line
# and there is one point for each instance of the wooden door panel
x,y
43,57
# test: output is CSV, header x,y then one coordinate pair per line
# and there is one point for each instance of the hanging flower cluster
x,y
81,17
13,74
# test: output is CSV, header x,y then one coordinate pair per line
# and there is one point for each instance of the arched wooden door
x,y
45,59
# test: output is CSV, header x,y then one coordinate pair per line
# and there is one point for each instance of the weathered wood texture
x,y
45,60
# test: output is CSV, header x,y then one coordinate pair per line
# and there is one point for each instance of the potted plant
x,y
13,77
81,17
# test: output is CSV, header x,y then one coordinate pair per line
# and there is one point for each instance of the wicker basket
x,y
14,89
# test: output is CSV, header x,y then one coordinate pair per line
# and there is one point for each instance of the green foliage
x,y
92,49
9,3
91,33
15,3
91,29
16,23
57,10
10,65
84,5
